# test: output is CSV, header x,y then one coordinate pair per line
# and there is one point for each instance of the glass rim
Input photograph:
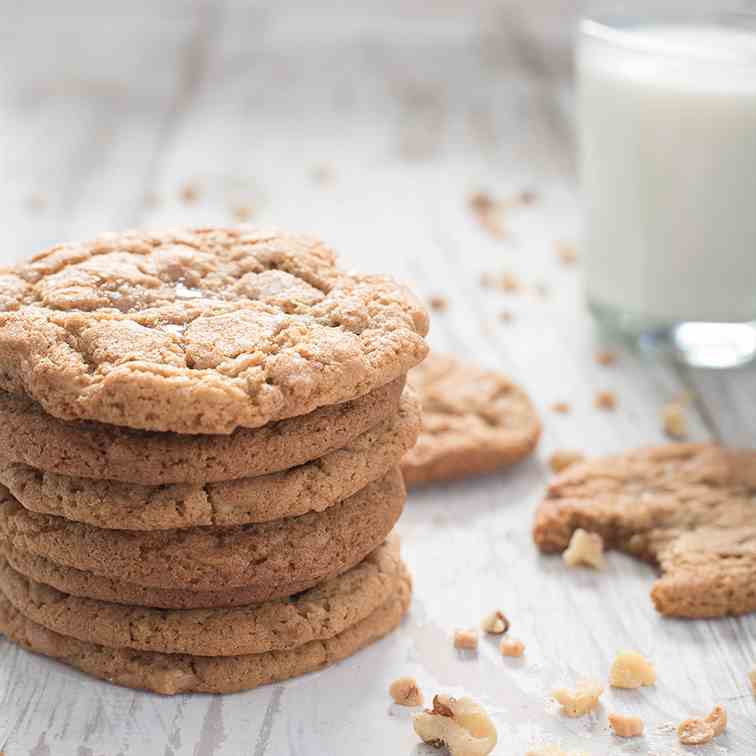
x,y
604,27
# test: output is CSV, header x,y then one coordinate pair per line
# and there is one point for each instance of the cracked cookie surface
x,y
311,487
200,330
688,508
474,421
317,614
271,558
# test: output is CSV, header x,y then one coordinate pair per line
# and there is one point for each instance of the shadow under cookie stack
x,y
200,437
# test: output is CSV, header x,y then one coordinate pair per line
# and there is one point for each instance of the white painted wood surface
x,y
106,113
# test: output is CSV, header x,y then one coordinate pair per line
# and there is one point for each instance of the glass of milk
x,y
666,111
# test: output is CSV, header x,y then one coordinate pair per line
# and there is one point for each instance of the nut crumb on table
x,y
404,691
561,459
565,252
511,647
631,670
466,639
438,302
505,316
674,421
605,357
459,724
605,400
700,730
625,726
585,549
580,701
561,408
242,213
189,194
752,679
495,623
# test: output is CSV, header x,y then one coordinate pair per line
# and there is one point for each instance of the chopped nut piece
x,y
242,213
405,692
631,670
459,724
580,701
697,730
674,422
752,679
566,252
585,549
626,727
605,357
561,407
189,194
438,303
465,639
495,623
553,750
605,400
563,458
511,647
508,282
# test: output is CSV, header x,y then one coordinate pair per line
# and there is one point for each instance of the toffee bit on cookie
x,y
459,724
404,691
438,302
242,213
674,421
565,252
466,639
752,679
585,549
631,670
700,730
189,194
580,701
605,357
563,458
561,408
511,647
605,400
624,726
495,623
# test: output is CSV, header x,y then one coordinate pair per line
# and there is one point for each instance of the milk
x,y
667,134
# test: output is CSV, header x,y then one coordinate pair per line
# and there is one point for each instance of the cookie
x,y
270,557
317,614
200,330
474,421
687,508
182,673
311,487
105,452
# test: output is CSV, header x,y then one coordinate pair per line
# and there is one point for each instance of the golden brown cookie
x,y
689,508
474,421
317,614
270,556
105,452
200,330
181,673
311,487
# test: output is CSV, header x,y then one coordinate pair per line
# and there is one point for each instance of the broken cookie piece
x,y
700,730
578,702
459,724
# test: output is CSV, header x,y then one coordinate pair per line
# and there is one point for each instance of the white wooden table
x,y
370,127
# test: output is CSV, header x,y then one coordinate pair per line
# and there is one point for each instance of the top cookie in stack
x,y
199,419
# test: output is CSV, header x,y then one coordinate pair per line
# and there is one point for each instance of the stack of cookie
x,y
200,434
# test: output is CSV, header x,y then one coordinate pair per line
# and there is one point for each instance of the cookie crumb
x,y
151,200
561,408
752,679
526,197
467,639
508,282
511,647
605,357
625,727
674,422
489,214
580,701
321,174
697,730
36,203
505,316
631,670
487,280
565,252
459,724
585,549
405,692
242,213
563,458
495,623
189,194
605,400
553,750
438,303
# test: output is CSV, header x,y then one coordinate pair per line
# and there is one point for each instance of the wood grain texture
x,y
369,125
